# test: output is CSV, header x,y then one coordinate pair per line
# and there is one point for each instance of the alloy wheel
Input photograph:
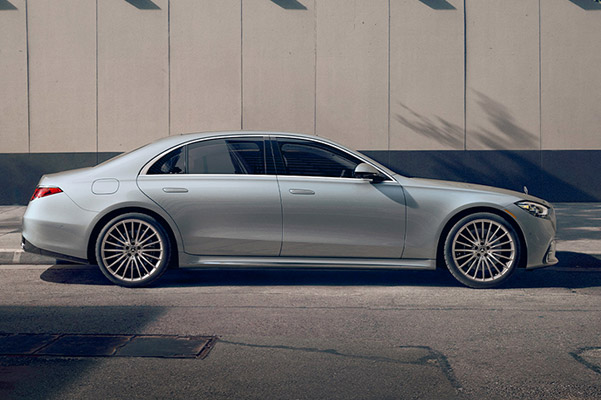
x,y
132,250
483,250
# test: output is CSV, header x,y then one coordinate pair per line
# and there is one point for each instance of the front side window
x,y
308,158
216,156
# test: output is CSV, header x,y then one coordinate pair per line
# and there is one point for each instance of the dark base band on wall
x,y
559,175
20,173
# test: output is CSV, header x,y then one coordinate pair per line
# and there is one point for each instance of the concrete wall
x,y
409,80
14,108
205,68
351,91
62,75
502,70
278,66
571,82
133,74
427,75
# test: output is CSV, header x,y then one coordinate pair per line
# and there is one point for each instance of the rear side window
x,y
307,158
217,156
227,156
171,163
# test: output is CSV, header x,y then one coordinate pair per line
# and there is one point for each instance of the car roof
x,y
185,137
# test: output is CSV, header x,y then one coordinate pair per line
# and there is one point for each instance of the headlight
x,y
536,209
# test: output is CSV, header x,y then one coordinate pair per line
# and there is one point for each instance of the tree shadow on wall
x,y
143,4
587,4
507,134
443,131
6,5
511,169
289,4
438,4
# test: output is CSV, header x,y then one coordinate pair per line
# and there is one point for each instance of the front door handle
x,y
301,191
175,190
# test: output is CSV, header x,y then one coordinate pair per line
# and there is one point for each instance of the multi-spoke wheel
x,y
482,250
133,250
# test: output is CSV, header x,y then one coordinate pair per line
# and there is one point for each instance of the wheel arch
x,y
473,210
91,249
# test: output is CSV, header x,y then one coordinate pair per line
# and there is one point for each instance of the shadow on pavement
x,y
27,377
575,270
577,261
262,277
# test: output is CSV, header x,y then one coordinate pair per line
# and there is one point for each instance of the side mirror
x,y
366,171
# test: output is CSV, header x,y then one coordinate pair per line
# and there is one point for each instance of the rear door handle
x,y
301,191
175,190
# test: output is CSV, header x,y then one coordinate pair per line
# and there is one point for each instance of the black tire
x,y
482,250
133,250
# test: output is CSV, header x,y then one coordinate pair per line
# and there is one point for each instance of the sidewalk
x,y
579,231
11,218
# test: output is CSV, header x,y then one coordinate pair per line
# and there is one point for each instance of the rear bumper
x,y
30,248
56,224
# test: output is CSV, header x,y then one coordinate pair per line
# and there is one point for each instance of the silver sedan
x,y
276,200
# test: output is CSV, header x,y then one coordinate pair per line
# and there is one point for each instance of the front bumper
x,y
549,259
539,235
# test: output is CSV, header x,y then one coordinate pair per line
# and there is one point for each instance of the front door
x,y
329,213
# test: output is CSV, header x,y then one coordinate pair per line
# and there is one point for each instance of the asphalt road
x,y
312,334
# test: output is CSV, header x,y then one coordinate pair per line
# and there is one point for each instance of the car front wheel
x,y
133,250
482,250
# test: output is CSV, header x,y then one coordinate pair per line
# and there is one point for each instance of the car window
x,y
210,157
217,156
171,163
307,158
250,154
227,156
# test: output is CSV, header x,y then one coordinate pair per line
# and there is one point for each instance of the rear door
x,y
221,194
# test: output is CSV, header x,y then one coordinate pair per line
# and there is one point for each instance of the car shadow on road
x,y
575,270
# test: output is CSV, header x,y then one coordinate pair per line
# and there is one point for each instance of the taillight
x,y
44,191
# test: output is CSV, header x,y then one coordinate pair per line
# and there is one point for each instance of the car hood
x,y
462,186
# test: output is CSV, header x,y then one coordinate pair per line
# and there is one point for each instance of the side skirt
x,y
187,260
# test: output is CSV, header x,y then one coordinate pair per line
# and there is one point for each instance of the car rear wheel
x,y
133,250
482,250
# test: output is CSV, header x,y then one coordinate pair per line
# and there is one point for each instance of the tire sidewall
x,y
158,272
448,251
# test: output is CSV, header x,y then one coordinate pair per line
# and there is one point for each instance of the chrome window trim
x,y
332,179
265,138
212,175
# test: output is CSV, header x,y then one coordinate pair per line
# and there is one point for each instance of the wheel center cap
x,y
482,250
